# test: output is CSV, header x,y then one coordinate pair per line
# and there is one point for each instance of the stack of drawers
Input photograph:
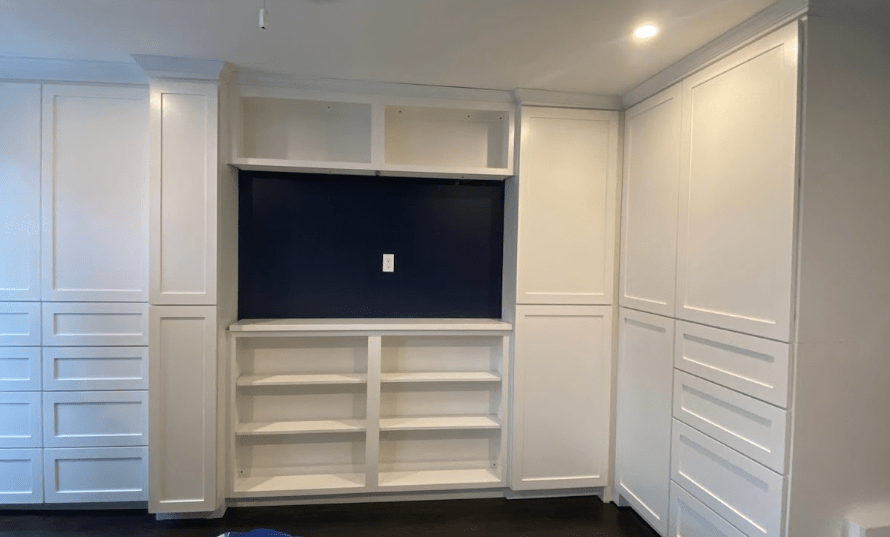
x,y
729,436
82,398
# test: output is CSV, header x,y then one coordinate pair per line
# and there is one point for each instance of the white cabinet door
x,y
95,194
567,205
19,369
562,397
20,324
20,420
21,476
99,419
183,193
649,215
182,406
643,427
95,368
737,194
94,324
110,474
19,192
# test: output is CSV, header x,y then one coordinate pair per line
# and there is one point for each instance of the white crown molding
x,y
533,97
167,67
57,70
769,19
248,77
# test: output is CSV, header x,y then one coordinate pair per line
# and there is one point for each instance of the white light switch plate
x,y
389,262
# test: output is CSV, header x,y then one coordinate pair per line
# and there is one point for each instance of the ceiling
x,y
562,45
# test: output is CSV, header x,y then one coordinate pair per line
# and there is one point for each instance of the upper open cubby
x,y
280,130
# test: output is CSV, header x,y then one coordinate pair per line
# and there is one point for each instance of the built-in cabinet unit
x,y
330,406
710,189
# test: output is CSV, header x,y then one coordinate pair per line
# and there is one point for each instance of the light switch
x,y
389,262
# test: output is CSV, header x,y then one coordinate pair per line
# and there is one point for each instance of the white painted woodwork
x,y
95,419
568,181
748,495
754,366
301,403
651,184
305,360
183,199
108,474
299,427
370,325
433,479
643,416
20,420
95,368
182,404
691,518
20,324
439,423
737,190
749,426
21,476
68,324
441,359
372,412
285,485
562,400
446,376
304,130
20,184
19,369
300,380
95,200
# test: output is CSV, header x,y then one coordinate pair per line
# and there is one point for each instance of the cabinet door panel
x,y
20,187
691,518
21,476
562,397
20,420
94,324
19,369
102,419
567,197
110,474
20,324
182,403
95,368
643,428
95,194
738,182
651,191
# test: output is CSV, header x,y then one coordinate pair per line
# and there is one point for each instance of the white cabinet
x,y
649,209
95,368
738,187
20,420
20,187
109,474
183,216
101,419
19,369
562,397
94,324
95,194
691,518
643,415
568,180
21,476
182,405
20,324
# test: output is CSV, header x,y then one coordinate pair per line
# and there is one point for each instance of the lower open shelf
x,y
449,478
287,485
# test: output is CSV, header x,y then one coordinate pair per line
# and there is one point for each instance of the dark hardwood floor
x,y
564,517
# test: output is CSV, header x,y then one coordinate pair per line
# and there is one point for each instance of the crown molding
x,y
771,18
58,70
562,99
167,67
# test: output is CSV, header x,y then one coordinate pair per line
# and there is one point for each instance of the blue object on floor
x,y
255,533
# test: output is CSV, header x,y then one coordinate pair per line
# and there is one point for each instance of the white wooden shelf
x,y
440,376
299,427
287,484
362,168
300,380
247,326
445,478
439,423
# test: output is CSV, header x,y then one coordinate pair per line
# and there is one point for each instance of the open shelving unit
x,y
324,406
292,131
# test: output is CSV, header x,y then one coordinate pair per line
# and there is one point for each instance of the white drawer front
x,y
748,495
20,419
117,474
95,368
20,324
691,518
747,425
81,419
21,476
94,324
751,365
19,369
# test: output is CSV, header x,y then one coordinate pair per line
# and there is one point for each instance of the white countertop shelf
x,y
301,380
249,326
440,376
261,428
439,423
295,484
439,477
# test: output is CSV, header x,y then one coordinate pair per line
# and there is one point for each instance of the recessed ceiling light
x,y
645,31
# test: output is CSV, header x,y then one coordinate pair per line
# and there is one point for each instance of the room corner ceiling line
x,y
533,97
182,68
52,69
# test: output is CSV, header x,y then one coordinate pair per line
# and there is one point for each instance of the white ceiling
x,y
562,45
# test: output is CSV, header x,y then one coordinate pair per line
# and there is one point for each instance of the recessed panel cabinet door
x,y
738,184
95,194
649,216
561,402
643,427
567,201
19,192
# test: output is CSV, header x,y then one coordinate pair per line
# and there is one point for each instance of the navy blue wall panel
x,y
311,246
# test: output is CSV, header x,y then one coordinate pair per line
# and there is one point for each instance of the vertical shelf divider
x,y
372,431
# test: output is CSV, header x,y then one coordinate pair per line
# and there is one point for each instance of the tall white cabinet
x,y
566,201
